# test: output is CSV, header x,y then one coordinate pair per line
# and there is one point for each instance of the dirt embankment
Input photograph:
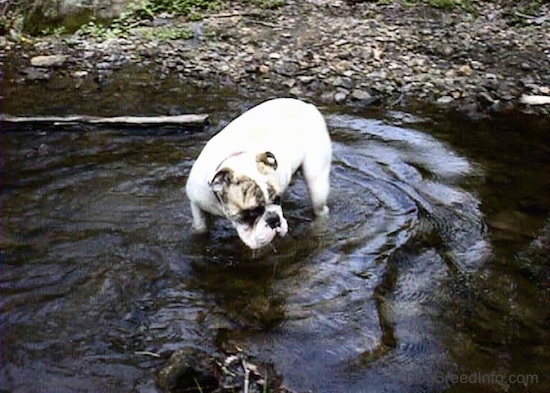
x,y
487,60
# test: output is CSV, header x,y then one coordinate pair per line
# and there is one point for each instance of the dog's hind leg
x,y
316,173
199,219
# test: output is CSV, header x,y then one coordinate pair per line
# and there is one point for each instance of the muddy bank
x,y
481,61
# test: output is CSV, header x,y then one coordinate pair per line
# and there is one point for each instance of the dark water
x,y
433,267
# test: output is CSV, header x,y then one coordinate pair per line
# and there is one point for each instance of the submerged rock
x,y
36,74
186,369
191,369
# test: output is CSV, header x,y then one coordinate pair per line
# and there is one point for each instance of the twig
x,y
232,14
525,16
265,24
147,353
246,376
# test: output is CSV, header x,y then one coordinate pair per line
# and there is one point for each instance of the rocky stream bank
x,y
489,59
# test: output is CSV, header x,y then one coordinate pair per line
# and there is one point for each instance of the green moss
x,y
178,7
40,21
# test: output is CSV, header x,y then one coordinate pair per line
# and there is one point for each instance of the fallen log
x,y
142,121
534,100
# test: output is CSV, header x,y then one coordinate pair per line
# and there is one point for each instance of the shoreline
x,y
480,62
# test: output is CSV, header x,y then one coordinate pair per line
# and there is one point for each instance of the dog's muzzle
x,y
273,220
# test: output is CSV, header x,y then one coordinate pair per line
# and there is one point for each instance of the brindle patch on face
x,y
273,193
243,194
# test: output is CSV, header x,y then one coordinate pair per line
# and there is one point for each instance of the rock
x,y
286,69
48,61
296,92
36,74
360,95
485,99
378,75
476,65
445,100
525,66
290,83
80,74
347,83
306,79
263,69
466,70
336,81
104,65
340,97
69,14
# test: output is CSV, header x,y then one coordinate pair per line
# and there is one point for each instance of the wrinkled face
x,y
250,196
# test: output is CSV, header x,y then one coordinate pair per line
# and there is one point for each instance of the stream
x,y
433,266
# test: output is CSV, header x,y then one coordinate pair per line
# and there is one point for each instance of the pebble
x,y
466,70
445,100
80,74
289,83
296,92
306,79
340,97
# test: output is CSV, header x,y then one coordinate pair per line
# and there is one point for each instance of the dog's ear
x,y
267,163
221,179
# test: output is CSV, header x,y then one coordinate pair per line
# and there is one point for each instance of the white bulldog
x,y
243,170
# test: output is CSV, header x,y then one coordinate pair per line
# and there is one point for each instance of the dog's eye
x,y
250,215
277,200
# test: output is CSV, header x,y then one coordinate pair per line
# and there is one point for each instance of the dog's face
x,y
250,195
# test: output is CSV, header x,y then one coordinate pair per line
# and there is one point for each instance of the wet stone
x,y
445,100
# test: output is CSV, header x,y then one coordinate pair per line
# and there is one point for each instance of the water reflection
x,y
100,266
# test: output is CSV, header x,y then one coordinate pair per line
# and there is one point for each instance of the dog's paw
x,y
322,212
200,229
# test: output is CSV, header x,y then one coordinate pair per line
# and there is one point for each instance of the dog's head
x,y
249,192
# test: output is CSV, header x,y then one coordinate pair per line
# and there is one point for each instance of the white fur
x,y
294,131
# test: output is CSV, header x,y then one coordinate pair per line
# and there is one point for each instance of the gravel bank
x,y
482,61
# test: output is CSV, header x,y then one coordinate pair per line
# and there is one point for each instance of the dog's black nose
x,y
273,220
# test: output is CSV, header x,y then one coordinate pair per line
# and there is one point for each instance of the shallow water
x,y
426,271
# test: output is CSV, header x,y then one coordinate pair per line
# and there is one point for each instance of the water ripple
x,y
98,245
